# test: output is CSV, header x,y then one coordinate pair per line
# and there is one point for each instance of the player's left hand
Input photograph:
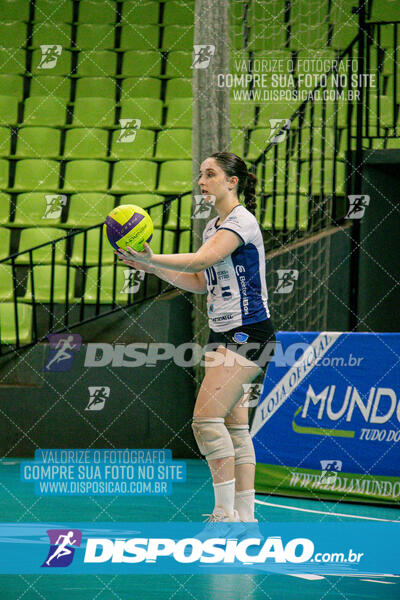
x,y
144,257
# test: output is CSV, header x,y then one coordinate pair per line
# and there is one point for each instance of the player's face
x,y
213,180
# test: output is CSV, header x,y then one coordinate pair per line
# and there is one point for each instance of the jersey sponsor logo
x,y
240,337
223,318
242,281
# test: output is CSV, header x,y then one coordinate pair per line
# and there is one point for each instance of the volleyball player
x,y
230,268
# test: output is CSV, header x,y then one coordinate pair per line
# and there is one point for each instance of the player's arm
x,y
191,282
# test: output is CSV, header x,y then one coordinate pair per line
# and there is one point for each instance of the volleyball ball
x,y
128,225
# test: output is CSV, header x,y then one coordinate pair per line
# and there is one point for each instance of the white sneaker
x,y
251,530
221,525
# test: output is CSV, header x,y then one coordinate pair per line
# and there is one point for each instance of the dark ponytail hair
x,y
233,165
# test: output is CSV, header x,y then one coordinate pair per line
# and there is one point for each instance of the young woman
x,y
230,268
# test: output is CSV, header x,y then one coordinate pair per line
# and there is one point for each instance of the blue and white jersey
x,y
237,289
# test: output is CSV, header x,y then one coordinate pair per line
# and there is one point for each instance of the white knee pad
x,y
212,437
242,444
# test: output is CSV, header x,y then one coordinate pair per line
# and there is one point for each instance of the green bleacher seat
x,y
33,209
5,141
175,177
185,216
86,175
167,246
86,143
97,63
145,201
324,143
237,141
94,112
12,62
279,167
6,283
141,87
8,330
48,33
145,12
87,209
5,237
141,64
134,176
4,166
91,11
141,147
42,277
178,13
13,35
35,236
139,37
49,85
179,113
14,10
37,174
277,220
263,36
38,142
53,11
61,66
178,37
316,177
179,64
184,242
242,115
148,110
389,10
4,208
95,87
13,84
92,249
174,143
341,12
8,110
393,143
42,110
343,34
125,280
179,88
95,37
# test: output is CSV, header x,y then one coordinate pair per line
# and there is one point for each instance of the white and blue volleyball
x,y
128,225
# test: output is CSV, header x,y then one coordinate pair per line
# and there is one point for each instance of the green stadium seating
x,y
5,141
343,34
242,115
148,110
36,174
145,201
179,113
5,237
178,13
134,176
95,87
179,88
277,221
14,10
12,62
91,11
8,110
389,10
281,173
42,110
145,12
179,64
49,85
35,236
341,12
167,246
316,177
92,249
13,35
106,284
185,217
53,11
86,143
4,208
62,66
175,177
94,112
258,142
48,33
88,209
263,36
139,37
141,147
97,63
86,175
42,277
38,142
393,143
178,37
4,166
31,209
95,37
141,64
13,84
6,283
140,87
237,141
184,242
174,143
8,330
